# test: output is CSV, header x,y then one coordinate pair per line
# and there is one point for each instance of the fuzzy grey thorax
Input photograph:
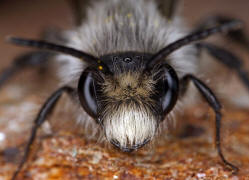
x,y
117,26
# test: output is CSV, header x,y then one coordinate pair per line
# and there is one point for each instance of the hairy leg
x,y
32,59
215,105
228,59
45,111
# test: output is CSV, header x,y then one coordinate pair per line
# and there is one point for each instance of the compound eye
x,y
87,93
168,88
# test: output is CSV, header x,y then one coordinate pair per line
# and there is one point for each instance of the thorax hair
x,y
118,26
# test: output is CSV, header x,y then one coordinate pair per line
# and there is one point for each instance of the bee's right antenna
x,y
88,58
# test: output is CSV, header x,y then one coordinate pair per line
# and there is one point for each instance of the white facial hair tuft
x,y
130,125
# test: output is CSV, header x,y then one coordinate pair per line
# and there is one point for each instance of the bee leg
x,y
46,110
35,58
167,7
237,36
79,10
228,59
32,59
211,99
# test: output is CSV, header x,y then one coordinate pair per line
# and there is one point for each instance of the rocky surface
x,y
68,155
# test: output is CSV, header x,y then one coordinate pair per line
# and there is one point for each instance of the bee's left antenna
x,y
196,36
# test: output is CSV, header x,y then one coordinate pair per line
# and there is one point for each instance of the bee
x,y
127,65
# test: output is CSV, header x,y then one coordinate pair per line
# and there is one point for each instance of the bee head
x,y
128,98
129,93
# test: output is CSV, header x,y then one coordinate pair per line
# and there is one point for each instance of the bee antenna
x,y
88,58
193,37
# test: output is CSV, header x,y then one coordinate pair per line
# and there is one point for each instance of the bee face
x,y
129,100
129,113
